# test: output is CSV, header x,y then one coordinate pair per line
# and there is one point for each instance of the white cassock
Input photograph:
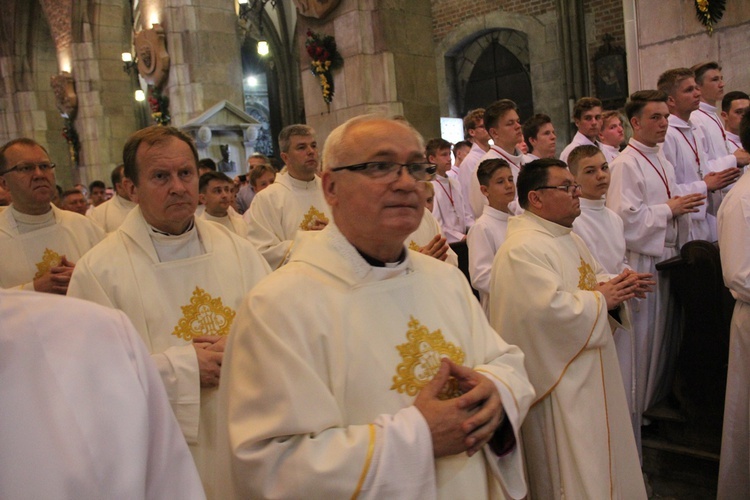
x,y
84,414
578,140
449,209
733,142
715,145
453,173
428,228
61,233
279,211
638,192
683,149
232,221
578,441
610,152
484,239
468,172
515,160
320,402
734,241
110,214
172,301
604,235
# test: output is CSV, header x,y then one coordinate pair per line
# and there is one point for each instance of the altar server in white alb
x,y
475,132
540,138
178,278
683,147
294,202
611,135
391,384
551,298
488,233
215,190
449,204
733,107
110,214
84,413
40,243
604,234
587,116
734,241
643,192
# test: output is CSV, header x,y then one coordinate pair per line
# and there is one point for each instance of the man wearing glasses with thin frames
x,y
39,242
391,383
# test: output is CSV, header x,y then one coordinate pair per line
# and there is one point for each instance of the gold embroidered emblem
x,y
413,246
204,315
49,260
421,361
313,215
587,279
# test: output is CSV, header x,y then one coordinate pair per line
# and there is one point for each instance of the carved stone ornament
x,y
65,94
317,9
153,59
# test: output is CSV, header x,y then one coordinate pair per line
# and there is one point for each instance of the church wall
x,y
683,41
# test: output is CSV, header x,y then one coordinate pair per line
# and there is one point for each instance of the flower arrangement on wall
x,y
325,58
70,134
159,104
709,12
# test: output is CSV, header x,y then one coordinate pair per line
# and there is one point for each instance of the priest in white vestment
x,y
84,413
683,148
40,243
551,298
643,193
587,116
294,202
346,396
488,233
110,214
734,241
215,190
179,279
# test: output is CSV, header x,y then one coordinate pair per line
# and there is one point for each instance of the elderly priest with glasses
x,y
39,242
391,383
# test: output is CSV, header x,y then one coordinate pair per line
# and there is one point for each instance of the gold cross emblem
x,y
204,315
49,260
311,217
587,278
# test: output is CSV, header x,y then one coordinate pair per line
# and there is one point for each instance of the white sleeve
x,y
481,255
265,231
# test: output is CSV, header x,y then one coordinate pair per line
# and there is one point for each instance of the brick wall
x,y
447,14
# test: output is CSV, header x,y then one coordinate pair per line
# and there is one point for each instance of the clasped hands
x,y
465,423
625,286
210,352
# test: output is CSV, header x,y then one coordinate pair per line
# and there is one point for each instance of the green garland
x,y
709,12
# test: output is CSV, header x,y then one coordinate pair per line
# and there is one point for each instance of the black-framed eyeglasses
x,y
389,171
30,168
568,188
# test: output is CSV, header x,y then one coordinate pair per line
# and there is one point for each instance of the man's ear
x,y
330,187
534,199
202,198
284,157
132,190
484,190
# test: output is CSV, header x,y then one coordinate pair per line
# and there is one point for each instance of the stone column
x,y
388,64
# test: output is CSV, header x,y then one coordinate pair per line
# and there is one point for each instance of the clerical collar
x,y
379,263
300,184
163,233
33,220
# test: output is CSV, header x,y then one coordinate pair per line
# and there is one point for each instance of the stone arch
x,y
545,61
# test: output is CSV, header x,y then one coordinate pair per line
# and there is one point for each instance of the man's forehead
x,y
25,151
596,110
381,138
739,104
596,160
299,139
561,173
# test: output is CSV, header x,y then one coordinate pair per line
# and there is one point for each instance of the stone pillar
x,y
388,64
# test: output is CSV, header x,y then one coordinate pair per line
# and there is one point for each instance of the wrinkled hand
x,y
56,280
209,350
720,180
619,289
465,423
686,204
437,247
644,283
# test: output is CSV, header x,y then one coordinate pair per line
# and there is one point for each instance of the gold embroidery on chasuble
x,y
311,217
587,278
413,246
204,315
421,361
49,260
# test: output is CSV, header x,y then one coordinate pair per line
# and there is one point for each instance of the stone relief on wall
x,y
66,100
316,8
153,59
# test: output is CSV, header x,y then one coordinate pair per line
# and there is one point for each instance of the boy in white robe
x,y
643,193
294,202
551,298
734,239
476,132
603,232
540,138
488,233
587,116
179,279
39,242
733,106
611,135
215,190
110,214
449,204
84,413
338,399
